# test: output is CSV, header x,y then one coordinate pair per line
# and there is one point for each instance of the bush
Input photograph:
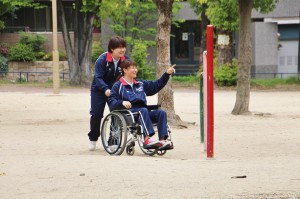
x,y
226,75
96,50
21,52
39,55
3,64
49,56
34,40
139,55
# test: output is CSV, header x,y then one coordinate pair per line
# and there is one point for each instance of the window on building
x,y
37,20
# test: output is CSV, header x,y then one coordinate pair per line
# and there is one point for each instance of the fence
x,y
24,76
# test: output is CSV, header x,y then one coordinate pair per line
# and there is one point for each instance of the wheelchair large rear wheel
x,y
114,133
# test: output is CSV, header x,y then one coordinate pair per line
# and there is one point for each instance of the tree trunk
x,y
165,96
224,55
83,40
244,59
224,49
204,23
79,57
73,65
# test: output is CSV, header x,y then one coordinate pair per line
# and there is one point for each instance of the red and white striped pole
x,y
210,90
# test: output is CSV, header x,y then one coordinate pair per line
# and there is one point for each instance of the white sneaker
x,y
92,145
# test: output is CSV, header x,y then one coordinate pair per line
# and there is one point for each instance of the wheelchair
x,y
120,130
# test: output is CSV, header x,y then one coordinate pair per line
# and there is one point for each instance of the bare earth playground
x,y
44,154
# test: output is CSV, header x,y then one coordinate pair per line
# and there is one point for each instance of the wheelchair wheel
x,y
161,152
114,133
130,150
150,152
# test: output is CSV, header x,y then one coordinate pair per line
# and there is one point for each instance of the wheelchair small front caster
x,y
130,150
161,152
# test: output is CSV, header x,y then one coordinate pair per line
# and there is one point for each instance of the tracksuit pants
x,y
147,117
98,102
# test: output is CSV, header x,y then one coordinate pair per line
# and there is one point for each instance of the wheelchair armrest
x,y
154,107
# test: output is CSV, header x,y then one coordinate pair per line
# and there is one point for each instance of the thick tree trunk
x,y
165,96
83,39
79,57
72,61
224,54
244,59
224,49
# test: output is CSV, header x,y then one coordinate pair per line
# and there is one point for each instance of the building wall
x,y
267,55
13,38
265,48
284,8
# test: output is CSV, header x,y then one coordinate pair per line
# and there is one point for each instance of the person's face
x,y
131,72
118,52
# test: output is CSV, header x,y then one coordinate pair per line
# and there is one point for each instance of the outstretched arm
x,y
153,87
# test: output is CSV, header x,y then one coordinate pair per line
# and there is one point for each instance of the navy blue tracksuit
x,y
104,78
136,95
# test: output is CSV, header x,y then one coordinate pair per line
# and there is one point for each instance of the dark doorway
x,y
185,47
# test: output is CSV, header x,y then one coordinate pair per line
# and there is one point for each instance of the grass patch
x,y
273,83
185,80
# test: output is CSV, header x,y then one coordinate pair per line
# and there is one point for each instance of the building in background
x,y
275,41
40,21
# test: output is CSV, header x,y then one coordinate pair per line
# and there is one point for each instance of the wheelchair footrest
x,y
145,146
168,147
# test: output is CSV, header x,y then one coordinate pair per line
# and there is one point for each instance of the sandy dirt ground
x,y
44,154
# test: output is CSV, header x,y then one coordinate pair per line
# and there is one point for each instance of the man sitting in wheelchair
x,y
131,94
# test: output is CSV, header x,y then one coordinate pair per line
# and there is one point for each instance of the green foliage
x,y
131,19
21,52
272,83
8,7
226,75
39,55
3,64
49,57
139,55
34,40
2,26
192,79
264,6
198,7
29,48
62,56
96,50
223,14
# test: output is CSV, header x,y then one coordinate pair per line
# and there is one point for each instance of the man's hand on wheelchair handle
x,y
171,70
126,104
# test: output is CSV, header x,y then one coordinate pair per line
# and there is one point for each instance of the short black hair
x,y
126,64
116,42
